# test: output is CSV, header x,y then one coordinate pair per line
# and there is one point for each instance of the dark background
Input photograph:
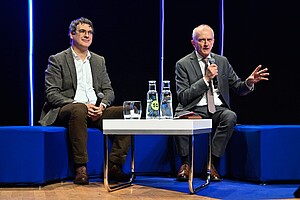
x,y
128,36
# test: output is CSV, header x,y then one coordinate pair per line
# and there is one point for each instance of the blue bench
x,y
265,153
38,155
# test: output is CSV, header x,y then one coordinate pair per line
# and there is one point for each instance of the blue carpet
x,y
226,189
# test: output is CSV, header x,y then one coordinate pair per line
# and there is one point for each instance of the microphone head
x,y
100,95
212,60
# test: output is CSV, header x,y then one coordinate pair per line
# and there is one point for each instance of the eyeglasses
x,y
84,32
202,40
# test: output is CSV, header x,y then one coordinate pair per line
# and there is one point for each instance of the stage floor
x,y
150,188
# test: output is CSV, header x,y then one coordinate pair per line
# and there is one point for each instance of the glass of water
x,y
127,109
132,109
136,111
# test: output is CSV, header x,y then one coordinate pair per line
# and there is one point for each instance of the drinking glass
x,y
136,109
127,107
132,109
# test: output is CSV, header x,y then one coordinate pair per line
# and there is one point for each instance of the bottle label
x,y
155,105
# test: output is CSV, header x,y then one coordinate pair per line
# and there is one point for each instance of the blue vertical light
x,y
30,46
162,24
222,25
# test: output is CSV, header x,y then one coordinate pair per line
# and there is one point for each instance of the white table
x,y
156,127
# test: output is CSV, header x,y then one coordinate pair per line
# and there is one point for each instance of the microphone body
x,y
215,79
100,96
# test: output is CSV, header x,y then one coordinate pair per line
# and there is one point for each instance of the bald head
x,y
202,28
203,39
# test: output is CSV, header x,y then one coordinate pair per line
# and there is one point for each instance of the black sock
x,y
184,160
79,165
111,163
215,160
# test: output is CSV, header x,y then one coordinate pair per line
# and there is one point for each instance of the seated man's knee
x,y
230,116
114,112
79,109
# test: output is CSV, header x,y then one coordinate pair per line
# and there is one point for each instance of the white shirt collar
x,y
75,56
201,57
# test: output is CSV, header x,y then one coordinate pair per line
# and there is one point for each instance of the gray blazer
x,y
61,83
190,86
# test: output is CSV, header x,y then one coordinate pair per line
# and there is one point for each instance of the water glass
x,y
136,111
132,109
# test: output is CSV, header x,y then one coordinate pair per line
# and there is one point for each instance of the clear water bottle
x,y
166,110
152,109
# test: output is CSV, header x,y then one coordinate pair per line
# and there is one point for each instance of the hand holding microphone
x,y
215,79
94,111
100,96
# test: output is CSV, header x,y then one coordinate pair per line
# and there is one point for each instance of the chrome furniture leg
x,y
106,178
191,172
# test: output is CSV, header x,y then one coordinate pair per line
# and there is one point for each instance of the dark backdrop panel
x,y
126,34
14,63
181,17
264,32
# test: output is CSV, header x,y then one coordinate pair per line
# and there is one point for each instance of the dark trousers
x,y
223,122
74,117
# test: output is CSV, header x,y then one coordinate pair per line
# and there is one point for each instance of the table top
x,y
157,126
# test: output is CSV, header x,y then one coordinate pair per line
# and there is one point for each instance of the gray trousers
x,y
223,122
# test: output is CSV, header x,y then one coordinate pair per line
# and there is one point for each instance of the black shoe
x,y
116,173
183,173
81,177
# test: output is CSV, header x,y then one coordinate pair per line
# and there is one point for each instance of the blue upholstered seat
x,y
39,154
265,153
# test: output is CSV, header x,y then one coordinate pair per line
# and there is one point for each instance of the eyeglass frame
x,y
84,32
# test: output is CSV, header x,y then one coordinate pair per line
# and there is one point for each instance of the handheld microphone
x,y
215,79
100,96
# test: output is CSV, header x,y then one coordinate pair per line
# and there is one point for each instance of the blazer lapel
x,y
94,70
195,65
71,65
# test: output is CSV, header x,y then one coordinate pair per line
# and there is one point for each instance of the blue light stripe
x,y
162,24
222,25
30,46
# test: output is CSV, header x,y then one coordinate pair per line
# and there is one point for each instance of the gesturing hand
x,y
257,75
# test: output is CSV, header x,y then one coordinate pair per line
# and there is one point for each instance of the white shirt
x,y
84,92
216,92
